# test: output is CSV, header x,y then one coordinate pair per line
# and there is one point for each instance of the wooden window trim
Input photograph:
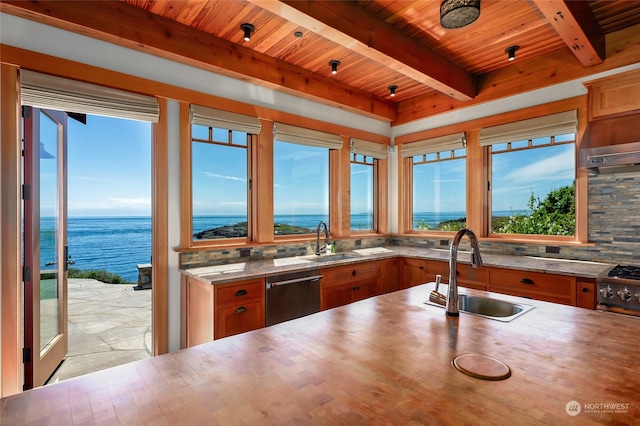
x,y
477,177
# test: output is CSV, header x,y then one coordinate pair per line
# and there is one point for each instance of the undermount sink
x,y
331,257
499,310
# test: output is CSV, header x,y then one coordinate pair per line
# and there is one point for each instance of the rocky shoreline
x,y
240,230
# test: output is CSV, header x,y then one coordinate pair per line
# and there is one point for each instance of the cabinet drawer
x,y
238,319
238,293
586,294
532,282
349,273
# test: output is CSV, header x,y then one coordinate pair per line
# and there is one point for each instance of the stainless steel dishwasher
x,y
292,295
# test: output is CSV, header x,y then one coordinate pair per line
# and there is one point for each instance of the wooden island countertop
x,y
384,360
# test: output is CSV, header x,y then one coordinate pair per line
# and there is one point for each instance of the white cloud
x,y
226,177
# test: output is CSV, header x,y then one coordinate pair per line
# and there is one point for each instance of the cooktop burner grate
x,y
625,271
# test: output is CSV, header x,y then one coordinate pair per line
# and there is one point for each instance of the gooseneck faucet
x,y
476,262
320,250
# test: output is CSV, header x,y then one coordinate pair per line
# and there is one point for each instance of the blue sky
x,y
109,173
109,167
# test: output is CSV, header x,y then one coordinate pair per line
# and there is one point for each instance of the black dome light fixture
x,y
248,29
458,13
392,90
511,51
334,66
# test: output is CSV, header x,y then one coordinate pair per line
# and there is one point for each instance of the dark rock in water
x,y
239,230
229,231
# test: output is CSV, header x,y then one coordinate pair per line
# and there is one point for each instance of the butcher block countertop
x,y
219,274
384,360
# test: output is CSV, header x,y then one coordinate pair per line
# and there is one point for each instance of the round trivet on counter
x,y
481,367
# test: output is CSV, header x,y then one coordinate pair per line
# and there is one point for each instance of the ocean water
x,y
118,244
113,244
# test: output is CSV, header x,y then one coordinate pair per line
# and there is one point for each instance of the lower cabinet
x,y
534,285
586,296
467,275
342,285
217,311
414,272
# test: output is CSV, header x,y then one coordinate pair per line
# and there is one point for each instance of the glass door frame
x,y
40,362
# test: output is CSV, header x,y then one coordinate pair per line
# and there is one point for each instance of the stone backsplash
x,y
614,230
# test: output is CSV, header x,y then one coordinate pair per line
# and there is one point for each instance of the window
x,y
219,175
365,156
532,178
438,198
363,193
301,178
300,188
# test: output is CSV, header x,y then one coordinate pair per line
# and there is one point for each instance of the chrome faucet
x,y
320,250
476,262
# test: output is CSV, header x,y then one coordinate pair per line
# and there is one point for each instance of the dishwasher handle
x,y
311,279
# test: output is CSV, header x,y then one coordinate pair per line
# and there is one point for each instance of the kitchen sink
x,y
499,310
331,257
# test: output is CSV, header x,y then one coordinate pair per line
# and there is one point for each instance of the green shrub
x,y
100,275
555,215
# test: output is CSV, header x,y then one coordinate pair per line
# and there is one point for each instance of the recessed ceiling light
x,y
298,34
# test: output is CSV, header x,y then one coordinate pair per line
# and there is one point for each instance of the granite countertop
x,y
219,274
383,360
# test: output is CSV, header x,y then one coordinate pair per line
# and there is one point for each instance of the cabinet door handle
x,y
242,292
526,281
584,289
353,273
241,310
421,267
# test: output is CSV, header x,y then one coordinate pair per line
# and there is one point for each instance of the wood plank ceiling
x,y
400,42
379,43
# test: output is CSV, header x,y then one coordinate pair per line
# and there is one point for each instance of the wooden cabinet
x,y
239,307
467,275
198,312
390,279
586,296
414,272
436,267
534,285
614,96
216,311
471,277
345,284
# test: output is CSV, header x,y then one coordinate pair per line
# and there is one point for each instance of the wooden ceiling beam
x,y
576,24
347,24
134,28
623,48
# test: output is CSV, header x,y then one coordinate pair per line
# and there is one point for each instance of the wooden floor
x,y
385,360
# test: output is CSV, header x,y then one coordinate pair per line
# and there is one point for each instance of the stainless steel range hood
x,y
611,145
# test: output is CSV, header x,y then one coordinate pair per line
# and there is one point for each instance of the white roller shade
x,y
428,146
211,117
302,136
370,149
46,91
540,127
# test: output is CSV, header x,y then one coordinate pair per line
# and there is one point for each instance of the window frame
x,y
411,164
230,143
305,237
478,173
530,146
376,191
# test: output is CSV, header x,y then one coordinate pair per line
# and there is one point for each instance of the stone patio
x,y
109,325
